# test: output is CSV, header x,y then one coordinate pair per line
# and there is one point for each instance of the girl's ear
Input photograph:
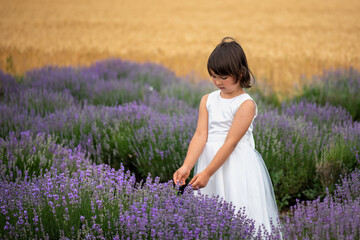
x,y
242,73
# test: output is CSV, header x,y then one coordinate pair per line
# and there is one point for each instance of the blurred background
x,y
285,41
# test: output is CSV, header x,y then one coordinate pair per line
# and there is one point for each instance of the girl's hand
x,y
200,180
181,175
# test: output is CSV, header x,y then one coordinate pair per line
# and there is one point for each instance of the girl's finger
x,y
180,182
175,178
183,179
193,179
195,185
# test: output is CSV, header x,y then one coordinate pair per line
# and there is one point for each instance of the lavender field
x,y
89,152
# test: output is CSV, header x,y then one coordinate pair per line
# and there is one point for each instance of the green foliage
x,y
34,156
116,148
27,156
189,93
266,98
289,155
161,149
339,88
10,68
337,159
144,120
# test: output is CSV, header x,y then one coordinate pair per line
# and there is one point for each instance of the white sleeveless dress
x,y
243,179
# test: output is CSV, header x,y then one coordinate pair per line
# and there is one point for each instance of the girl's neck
x,y
232,94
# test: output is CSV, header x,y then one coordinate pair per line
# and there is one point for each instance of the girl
x,y
222,148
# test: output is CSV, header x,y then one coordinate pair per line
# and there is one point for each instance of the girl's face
x,y
226,84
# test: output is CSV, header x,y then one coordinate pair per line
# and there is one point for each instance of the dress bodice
x,y
221,114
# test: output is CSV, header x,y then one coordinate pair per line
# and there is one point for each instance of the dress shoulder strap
x,y
213,96
242,98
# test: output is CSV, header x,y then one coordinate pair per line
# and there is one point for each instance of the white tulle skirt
x,y
243,180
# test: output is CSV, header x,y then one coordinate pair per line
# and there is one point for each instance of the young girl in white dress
x,y
222,148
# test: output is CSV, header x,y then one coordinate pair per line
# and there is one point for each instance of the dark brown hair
x,y
228,59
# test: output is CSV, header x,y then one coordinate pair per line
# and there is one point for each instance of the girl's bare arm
x,y
196,145
240,125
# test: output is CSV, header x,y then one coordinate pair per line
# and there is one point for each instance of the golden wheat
x,y
283,39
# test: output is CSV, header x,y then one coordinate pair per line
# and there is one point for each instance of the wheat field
x,y
283,39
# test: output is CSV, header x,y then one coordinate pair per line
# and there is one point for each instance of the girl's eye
x,y
223,78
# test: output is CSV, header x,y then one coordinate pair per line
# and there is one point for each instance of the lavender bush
x,y
142,116
96,201
326,115
35,156
158,144
304,150
56,122
62,102
337,87
8,86
336,217
280,139
104,82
